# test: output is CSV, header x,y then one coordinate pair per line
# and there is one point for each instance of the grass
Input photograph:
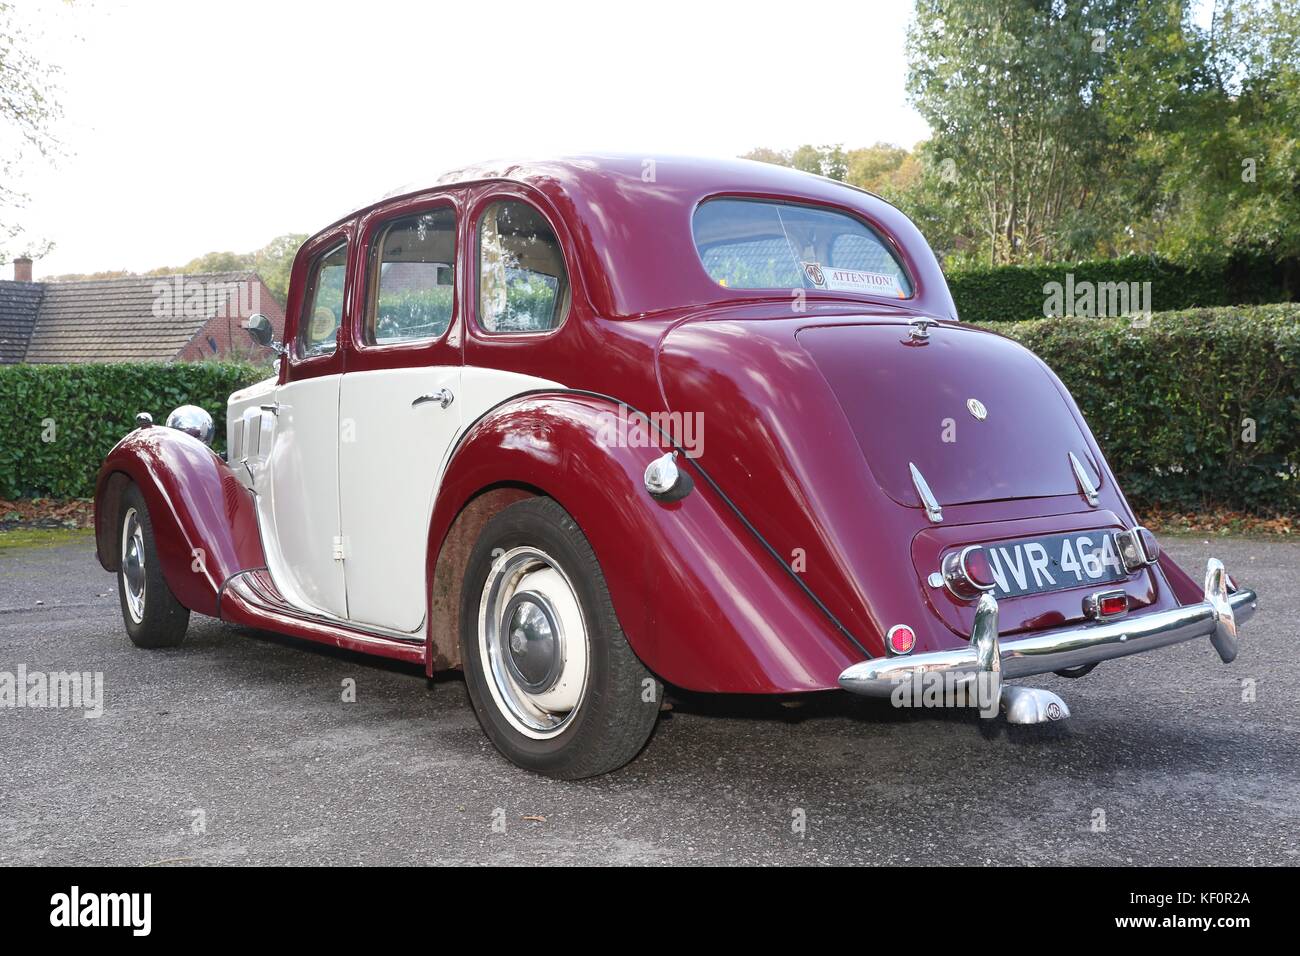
x,y
42,537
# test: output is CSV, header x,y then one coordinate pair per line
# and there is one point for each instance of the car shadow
x,y
796,709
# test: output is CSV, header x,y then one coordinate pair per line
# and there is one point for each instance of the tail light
x,y
1137,548
967,572
1105,604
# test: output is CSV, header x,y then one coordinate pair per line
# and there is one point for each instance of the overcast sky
x,y
193,127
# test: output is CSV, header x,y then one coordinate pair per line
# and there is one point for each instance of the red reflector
x,y
1112,605
1150,546
978,569
901,639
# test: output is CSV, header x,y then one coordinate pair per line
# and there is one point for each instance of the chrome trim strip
x,y
1216,617
1085,483
928,500
256,587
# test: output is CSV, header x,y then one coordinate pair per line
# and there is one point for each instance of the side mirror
x,y
261,331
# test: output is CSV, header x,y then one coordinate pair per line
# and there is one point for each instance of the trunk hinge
x,y
340,550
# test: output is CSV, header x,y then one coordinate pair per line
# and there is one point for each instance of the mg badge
x,y
976,408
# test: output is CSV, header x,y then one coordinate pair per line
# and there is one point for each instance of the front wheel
x,y
553,680
153,616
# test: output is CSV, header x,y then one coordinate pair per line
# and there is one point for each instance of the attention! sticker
x,y
851,280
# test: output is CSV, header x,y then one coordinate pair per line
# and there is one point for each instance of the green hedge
x,y
1166,402
1169,403
57,422
1016,293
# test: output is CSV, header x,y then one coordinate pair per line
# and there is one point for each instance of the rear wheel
x,y
553,680
153,616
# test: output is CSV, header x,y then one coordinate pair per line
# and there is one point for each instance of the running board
x,y
251,599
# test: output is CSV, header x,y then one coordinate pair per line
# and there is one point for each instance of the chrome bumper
x,y
1216,617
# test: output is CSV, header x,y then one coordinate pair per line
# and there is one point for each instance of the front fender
x,y
204,521
702,605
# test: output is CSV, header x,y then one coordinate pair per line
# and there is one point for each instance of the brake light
x,y
978,569
967,572
1117,604
900,639
1105,604
1150,546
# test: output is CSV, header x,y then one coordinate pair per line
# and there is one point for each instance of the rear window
x,y
750,244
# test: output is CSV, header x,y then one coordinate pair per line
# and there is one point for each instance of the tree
x,y
28,110
1107,127
1009,88
1217,120
882,168
272,263
828,161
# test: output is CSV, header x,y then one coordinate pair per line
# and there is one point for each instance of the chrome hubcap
x,y
133,578
533,645
533,642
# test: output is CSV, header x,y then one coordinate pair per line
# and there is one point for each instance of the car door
x,y
399,408
300,501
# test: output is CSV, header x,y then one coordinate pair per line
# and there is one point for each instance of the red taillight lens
x,y
1150,546
967,572
1113,604
978,570
1105,604
901,639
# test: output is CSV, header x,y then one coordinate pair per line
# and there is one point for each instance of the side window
x,y
323,304
412,278
522,285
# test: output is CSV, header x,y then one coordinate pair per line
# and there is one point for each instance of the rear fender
x,y
204,520
702,605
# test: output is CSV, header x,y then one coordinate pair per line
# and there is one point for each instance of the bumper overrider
x,y
990,661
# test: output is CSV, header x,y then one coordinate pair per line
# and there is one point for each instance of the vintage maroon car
x,y
579,427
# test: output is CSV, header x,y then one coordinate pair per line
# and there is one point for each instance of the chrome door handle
x,y
442,396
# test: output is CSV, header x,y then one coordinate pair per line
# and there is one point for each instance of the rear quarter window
x,y
752,244
522,283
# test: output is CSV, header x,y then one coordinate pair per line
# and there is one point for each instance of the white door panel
x,y
391,460
302,503
485,388
391,454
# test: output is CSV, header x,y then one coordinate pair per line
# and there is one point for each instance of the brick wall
x,y
223,335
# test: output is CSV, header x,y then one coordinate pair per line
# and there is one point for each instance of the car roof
x,y
630,217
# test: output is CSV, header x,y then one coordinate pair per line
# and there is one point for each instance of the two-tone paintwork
x,y
792,557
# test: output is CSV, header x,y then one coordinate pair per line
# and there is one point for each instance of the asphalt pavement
x,y
239,747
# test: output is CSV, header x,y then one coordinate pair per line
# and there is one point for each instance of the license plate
x,y
1054,562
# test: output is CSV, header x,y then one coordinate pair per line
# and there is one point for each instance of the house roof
x,y
140,318
19,302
